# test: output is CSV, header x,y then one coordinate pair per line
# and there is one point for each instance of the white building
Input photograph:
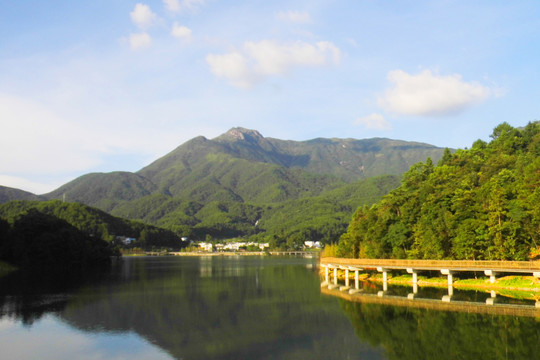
x,y
206,246
312,244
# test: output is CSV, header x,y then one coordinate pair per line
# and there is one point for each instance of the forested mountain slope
x,y
347,159
240,183
243,166
481,203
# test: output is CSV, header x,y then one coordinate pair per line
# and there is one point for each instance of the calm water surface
x,y
234,308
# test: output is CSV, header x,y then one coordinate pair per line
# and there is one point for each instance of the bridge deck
x,y
455,265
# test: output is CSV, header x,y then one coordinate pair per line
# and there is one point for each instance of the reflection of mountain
x,y
247,309
416,334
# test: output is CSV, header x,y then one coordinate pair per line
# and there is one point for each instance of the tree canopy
x,y
39,240
481,203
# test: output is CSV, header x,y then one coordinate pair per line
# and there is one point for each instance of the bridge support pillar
x,y
384,277
325,282
492,274
537,304
335,276
326,274
414,275
346,287
493,299
356,282
450,275
536,274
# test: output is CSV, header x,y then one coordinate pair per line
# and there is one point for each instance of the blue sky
x,y
98,86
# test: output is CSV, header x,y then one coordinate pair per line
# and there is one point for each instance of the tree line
x,y
481,203
38,240
88,221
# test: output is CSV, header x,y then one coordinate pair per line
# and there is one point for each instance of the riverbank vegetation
x,y
41,241
481,203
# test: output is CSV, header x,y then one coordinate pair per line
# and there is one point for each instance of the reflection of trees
x,y
28,295
256,313
418,334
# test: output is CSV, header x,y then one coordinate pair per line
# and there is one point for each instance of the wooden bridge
x,y
446,267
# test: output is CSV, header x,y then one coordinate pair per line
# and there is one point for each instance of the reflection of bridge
x,y
446,267
442,305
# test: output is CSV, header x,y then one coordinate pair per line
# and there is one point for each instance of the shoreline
x,y
226,253
261,253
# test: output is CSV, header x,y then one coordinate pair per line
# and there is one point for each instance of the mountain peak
x,y
241,133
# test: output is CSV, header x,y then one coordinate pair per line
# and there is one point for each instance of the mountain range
x,y
242,183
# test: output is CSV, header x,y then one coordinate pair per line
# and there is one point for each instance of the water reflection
x,y
213,308
243,308
414,333
432,324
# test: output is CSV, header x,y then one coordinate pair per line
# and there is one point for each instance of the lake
x,y
228,307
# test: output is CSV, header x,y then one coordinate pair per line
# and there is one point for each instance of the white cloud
x,y
273,58
296,17
266,58
177,5
374,121
181,32
142,16
139,41
172,5
43,145
34,139
232,66
429,94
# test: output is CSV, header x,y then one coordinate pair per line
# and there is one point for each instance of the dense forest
x,y
91,222
42,241
481,203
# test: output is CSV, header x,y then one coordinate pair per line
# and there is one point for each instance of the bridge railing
x,y
468,264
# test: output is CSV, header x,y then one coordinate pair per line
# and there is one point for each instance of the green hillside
x,y
242,184
8,194
91,221
323,217
104,191
481,203
347,159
